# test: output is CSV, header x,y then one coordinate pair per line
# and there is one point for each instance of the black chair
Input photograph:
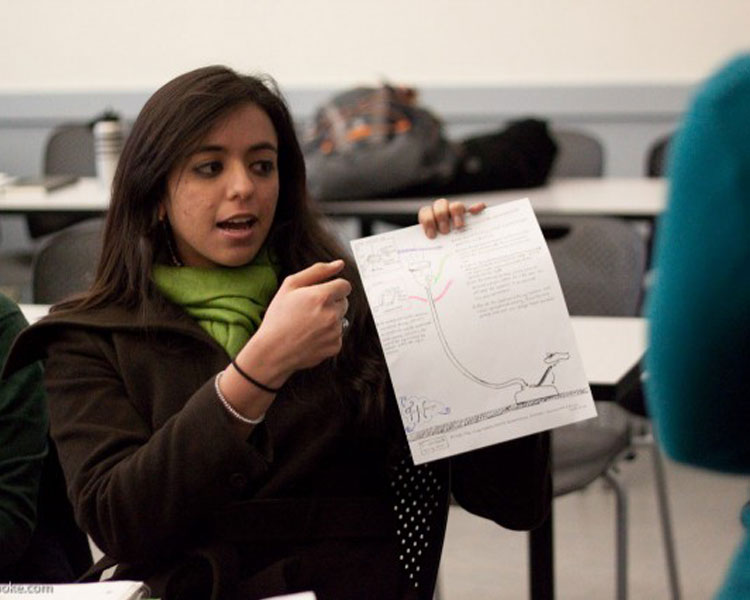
x,y
69,151
656,157
601,263
578,155
65,262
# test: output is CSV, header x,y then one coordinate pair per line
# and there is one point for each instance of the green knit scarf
x,y
229,303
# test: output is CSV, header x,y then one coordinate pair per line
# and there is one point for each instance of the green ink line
x,y
440,269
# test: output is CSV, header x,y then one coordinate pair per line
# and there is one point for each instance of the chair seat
x,y
581,453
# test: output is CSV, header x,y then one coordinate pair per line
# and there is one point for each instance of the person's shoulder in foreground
x,y
698,308
23,445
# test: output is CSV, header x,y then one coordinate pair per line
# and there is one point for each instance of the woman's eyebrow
x,y
253,148
264,146
214,148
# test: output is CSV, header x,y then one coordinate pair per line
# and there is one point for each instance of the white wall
x,y
78,45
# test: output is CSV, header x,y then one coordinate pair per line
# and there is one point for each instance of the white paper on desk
x,y
103,590
475,332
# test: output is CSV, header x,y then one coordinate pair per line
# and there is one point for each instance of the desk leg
x,y
365,226
541,560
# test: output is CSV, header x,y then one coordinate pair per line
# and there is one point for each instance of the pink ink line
x,y
445,289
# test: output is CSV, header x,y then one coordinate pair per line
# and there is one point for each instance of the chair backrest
x,y
656,157
65,263
600,262
69,151
578,155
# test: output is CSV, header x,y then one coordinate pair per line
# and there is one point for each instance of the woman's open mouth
x,y
238,227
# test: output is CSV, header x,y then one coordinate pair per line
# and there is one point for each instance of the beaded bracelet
x,y
255,382
230,409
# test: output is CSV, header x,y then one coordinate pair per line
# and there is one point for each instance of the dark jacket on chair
x,y
160,481
39,541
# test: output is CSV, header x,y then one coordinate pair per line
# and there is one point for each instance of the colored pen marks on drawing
x,y
418,410
426,268
438,297
419,264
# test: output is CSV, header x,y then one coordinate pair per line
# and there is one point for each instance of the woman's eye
x,y
264,167
208,169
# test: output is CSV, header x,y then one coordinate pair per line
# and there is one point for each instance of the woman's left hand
x,y
441,216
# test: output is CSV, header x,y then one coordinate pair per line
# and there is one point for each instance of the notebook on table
x,y
38,184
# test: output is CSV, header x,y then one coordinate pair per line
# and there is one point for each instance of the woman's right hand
x,y
303,324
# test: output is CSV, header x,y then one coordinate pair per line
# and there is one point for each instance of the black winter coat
x,y
310,500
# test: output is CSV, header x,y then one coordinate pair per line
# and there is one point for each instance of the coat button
x,y
238,481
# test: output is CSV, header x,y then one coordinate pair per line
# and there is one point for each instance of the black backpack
x,y
518,155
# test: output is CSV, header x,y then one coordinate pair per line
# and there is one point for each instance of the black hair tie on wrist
x,y
254,381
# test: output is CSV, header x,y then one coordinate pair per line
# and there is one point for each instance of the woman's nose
x,y
240,182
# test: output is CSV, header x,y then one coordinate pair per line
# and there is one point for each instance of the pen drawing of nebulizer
x,y
420,269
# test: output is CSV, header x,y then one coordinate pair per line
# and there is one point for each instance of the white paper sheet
x,y
103,590
475,332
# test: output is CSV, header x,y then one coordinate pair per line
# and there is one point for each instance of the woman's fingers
x,y
342,306
427,220
333,290
475,209
457,210
441,210
442,215
314,274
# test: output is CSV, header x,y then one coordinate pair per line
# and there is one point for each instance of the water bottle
x,y
108,140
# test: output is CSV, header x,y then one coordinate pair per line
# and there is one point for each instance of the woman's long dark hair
x,y
171,125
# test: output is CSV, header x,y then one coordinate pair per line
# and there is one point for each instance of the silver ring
x,y
344,323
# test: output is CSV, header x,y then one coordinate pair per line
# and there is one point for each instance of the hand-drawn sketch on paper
x,y
418,410
475,332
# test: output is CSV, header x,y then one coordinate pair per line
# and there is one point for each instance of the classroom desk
x,y
86,195
631,198
634,198
610,348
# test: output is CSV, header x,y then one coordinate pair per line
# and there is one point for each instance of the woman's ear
x,y
161,212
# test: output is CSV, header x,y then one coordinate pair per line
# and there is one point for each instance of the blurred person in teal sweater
x,y
699,308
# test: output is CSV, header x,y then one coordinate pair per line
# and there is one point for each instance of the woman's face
x,y
221,201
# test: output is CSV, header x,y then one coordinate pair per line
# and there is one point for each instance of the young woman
x,y
219,398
